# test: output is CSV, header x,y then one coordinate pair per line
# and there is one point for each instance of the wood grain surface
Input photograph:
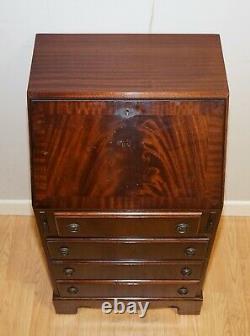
x,y
130,227
145,270
128,155
127,66
27,309
128,288
127,123
127,249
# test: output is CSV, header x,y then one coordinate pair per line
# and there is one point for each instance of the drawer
x,y
122,249
127,270
159,225
127,288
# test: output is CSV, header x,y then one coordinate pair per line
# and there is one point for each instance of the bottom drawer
x,y
127,288
104,270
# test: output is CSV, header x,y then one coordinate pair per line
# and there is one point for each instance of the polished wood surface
x,y
128,155
184,306
127,224
127,249
122,227
128,288
127,66
125,270
25,291
127,135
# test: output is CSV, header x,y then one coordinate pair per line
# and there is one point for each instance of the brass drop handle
x,y
72,290
182,228
183,291
190,251
186,271
73,227
64,251
68,271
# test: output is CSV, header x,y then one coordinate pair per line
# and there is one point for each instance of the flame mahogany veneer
x,y
127,141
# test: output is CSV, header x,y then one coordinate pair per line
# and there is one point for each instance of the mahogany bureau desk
x,y
127,137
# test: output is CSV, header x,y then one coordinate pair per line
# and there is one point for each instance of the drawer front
x,y
127,270
141,224
109,288
134,226
101,249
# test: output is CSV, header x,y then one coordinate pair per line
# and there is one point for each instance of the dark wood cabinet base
x,y
187,306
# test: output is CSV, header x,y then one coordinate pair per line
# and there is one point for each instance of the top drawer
x,y
124,225
127,225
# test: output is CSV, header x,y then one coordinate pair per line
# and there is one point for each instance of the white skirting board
x,y
16,207
23,207
236,208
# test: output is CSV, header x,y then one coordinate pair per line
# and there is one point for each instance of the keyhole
x,y
123,143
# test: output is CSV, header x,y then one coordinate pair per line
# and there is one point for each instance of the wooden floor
x,y
25,292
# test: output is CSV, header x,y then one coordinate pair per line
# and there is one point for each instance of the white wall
x,y
20,20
